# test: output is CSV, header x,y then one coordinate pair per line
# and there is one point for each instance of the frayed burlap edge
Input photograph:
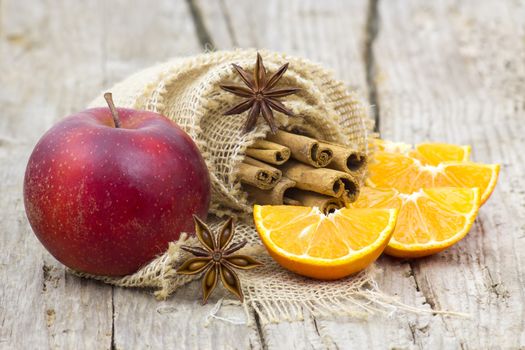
x,y
160,274
357,296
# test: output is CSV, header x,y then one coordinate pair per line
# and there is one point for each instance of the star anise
x,y
261,96
216,260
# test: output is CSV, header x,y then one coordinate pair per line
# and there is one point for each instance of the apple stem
x,y
109,99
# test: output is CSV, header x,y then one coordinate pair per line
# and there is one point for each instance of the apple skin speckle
x,y
106,200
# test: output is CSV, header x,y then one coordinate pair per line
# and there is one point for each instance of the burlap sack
x,y
187,91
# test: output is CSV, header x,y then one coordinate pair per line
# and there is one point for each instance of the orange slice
x,y
408,175
428,153
436,153
327,247
429,220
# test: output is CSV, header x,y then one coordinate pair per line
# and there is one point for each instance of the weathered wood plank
x,y
17,270
394,331
166,30
330,32
455,72
335,34
52,65
45,73
290,26
439,76
36,292
180,322
140,34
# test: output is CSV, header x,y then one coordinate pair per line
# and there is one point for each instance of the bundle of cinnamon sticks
x,y
288,168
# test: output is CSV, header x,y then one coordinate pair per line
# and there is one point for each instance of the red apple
x,y
107,189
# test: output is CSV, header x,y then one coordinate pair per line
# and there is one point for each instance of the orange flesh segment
x,y
295,237
407,175
321,246
428,153
314,234
436,153
437,217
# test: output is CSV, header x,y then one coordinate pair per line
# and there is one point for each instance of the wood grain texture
x,y
181,322
295,27
330,32
44,65
234,25
166,30
53,64
436,70
455,72
140,36
334,33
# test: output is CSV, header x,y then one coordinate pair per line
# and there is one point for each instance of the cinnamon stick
x,y
275,196
346,159
268,152
330,182
352,188
259,174
303,149
311,199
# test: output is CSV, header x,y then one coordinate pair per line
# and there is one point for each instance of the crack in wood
x,y
424,289
372,29
200,28
260,333
496,288
493,287
412,328
316,327
46,276
325,338
113,345
49,277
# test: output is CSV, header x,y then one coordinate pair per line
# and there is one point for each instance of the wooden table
x,y
450,71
